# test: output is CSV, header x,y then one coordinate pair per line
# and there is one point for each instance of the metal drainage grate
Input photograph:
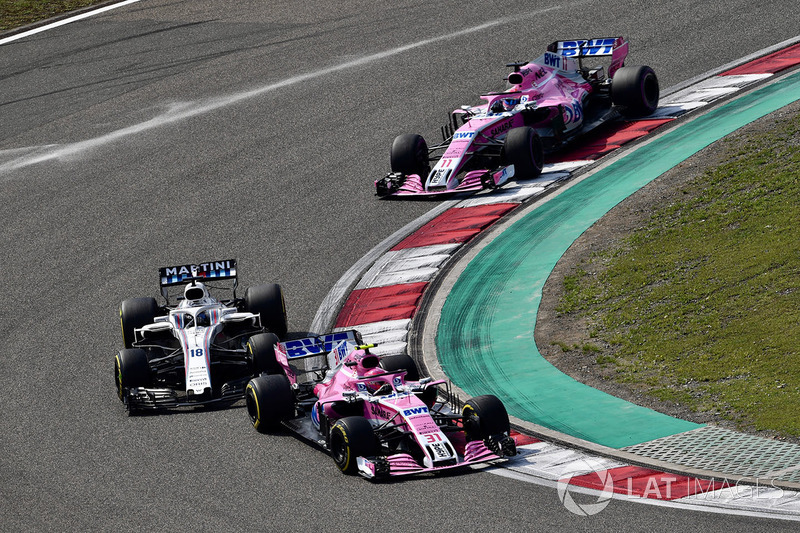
x,y
725,451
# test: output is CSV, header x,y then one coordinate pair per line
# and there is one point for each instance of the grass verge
x,y
15,13
702,304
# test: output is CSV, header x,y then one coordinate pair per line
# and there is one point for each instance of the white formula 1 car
x,y
200,350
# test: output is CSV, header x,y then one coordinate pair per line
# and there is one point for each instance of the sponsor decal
x,y
439,450
439,176
573,113
332,339
415,411
339,353
302,347
317,345
497,130
213,269
552,60
592,47
397,381
361,387
379,412
423,425
461,135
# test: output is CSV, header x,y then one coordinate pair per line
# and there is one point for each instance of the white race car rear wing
x,y
213,270
210,271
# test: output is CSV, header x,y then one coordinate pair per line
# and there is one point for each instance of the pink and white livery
x,y
549,102
375,416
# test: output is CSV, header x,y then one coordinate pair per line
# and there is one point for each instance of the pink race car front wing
x,y
402,464
397,184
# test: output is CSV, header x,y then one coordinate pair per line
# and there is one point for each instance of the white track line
x,y
62,22
182,111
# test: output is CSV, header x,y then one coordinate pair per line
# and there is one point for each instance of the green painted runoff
x,y
485,336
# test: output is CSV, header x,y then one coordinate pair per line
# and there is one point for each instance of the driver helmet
x,y
195,291
510,103
203,319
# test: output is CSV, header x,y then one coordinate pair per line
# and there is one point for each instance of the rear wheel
x,y
485,416
409,155
267,300
635,90
350,438
523,149
261,349
131,369
269,401
135,313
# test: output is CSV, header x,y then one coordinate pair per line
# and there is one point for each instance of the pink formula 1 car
x,y
374,415
550,101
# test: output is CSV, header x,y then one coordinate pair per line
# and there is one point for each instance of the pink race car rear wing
x,y
615,47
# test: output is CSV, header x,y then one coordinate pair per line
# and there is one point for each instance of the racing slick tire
x,y
484,416
267,300
261,349
350,438
409,155
135,313
131,369
635,90
269,401
523,148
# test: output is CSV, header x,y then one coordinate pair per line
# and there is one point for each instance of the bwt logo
x,y
552,60
302,347
463,135
415,411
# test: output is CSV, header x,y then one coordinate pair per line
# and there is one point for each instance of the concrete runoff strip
x,y
485,334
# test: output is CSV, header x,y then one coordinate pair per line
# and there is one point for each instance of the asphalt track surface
x,y
169,132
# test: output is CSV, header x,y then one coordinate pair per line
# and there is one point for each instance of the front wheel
x,y
409,155
131,370
269,401
484,417
350,438
635,90
135,313
523,148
